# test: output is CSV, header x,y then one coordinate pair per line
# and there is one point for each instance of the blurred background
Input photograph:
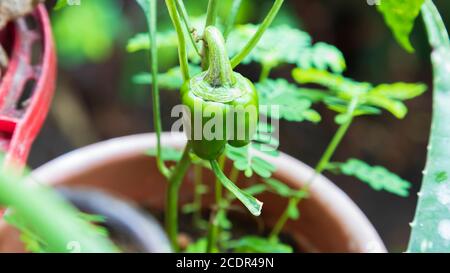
x,y
96,99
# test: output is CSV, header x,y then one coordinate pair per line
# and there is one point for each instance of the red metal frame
x,y
19,126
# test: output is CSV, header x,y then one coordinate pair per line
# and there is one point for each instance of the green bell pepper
x,y
223,105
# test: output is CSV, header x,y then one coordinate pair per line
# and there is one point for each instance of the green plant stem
x,y
153,29
320,167
265,72
175,181
49,217
187,24
182,51
214,228
259,33
235,6
234,173
198,179
211,18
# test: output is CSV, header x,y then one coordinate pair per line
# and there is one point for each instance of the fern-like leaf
x,y
377,177
293,104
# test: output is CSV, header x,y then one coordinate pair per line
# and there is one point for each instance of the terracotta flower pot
x,y
329,222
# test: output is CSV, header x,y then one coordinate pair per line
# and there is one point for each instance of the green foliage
x,y
400,16
284,190
141,41
296,47
377,177
170,80
249,158
431,225
87,32
60,4
291,100
283,44
255,244
168,154
371,98
34,243
198,246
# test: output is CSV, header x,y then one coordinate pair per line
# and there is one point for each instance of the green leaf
x,y
296,48
60,4
255,244
293,105
430,228
198,246
250,202
88,32
293,211
141,41
168,154
379,178
334,82
400,16
171,80
341,92
248,158
399,91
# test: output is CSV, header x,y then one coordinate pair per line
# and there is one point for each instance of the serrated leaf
x,y
377,177
171,80
400,16
255,244
291,104
296,48
248,160
342,91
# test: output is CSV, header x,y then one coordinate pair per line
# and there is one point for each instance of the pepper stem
x,y
219,72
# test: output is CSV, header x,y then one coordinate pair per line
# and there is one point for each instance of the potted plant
x,y
243,195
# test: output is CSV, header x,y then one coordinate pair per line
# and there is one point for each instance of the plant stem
x,y
320,167
211,16
187,24
235,6
175,181
214,228
182,52
234,173
265,72
153,28
198,179
259,33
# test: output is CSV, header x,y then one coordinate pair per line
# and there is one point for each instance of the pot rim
x,y
354,221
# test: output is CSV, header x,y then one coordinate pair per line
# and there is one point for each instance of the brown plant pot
x,y
329,222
